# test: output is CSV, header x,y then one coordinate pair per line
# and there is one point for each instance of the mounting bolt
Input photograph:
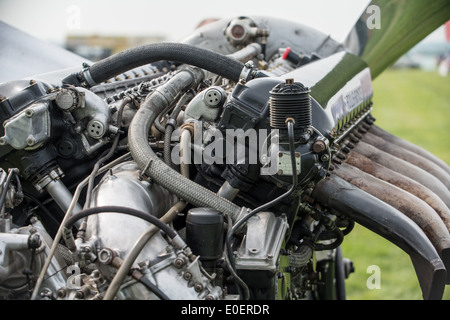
x,y
29,113
178,262
198,287
105,256
61,293
31,140
319,146
187,276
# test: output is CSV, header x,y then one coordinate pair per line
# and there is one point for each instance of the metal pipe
x,y
389,223
377,170
227,191
69,212
409,156
185,151
405,168
140,243
409,146
62,196
414,208
247,53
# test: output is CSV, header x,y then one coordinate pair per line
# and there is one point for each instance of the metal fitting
x,y
106,256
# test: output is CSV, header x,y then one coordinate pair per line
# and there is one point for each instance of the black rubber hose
x,y
178,52
125,210
335,244
153,288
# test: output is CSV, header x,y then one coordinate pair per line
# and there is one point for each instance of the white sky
x,y
52,20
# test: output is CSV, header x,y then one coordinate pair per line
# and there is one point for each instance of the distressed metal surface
x,y
389,223
414,208
401,181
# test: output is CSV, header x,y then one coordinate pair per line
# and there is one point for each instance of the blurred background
x,y
95,29
105,23
411,99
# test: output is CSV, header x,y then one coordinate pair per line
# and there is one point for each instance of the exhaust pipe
x,y
405,168
414,208
408,156
408,146
389,223
365,164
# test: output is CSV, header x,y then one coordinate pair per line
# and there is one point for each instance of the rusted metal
x,y
414,208
389,223
409,156
409,146
405,168
377,170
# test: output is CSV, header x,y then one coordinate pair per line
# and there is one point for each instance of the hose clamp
x,y
86,75
171,122
247,72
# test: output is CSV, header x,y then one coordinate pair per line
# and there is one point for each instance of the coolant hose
x,y
178,52
152,165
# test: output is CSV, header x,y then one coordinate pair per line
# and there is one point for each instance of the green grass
x,y
414,105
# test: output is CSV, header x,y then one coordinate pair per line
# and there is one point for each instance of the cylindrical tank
x,y
204,234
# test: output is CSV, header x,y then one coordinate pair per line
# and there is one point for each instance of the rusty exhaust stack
x,y
365,164
405,168
414,208
408,156
389,223
409,146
